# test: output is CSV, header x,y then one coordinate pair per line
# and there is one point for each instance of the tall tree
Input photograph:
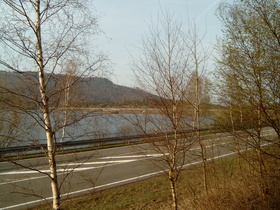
x,y
43,36
250,67
165,68
198,87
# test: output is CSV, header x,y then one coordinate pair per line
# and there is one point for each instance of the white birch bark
x,y
46,113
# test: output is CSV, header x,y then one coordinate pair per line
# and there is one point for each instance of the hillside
x,y
102,89
89,90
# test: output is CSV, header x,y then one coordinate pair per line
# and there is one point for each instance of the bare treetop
x,y
67,29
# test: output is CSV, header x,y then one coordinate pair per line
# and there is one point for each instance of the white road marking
x,y
112,183
134,156
122,181
96,163
85,190
106,163
85,163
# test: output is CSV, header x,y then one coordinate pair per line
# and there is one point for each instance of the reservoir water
x,y
24,129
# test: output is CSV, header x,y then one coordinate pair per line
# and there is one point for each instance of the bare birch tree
x,y
198,88
43,36
163,69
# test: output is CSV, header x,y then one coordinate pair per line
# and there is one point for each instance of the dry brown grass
x,y
235,186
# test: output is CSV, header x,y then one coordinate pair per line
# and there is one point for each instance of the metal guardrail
x,y
108,140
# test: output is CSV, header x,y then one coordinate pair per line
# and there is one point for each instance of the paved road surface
x,y
94,170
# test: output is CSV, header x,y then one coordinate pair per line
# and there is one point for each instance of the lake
x,y
19,129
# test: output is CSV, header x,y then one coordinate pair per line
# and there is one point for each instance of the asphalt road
x,y
21,188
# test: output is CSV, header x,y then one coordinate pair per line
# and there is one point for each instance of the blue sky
x,y
125,21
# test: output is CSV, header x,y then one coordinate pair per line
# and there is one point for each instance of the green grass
x,y
129,196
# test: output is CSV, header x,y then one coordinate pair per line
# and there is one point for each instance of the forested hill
x,y
102,89
91,89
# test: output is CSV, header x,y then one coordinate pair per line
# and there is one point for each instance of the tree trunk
x,y
46,113
258,149
173,190
197,121
203,158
